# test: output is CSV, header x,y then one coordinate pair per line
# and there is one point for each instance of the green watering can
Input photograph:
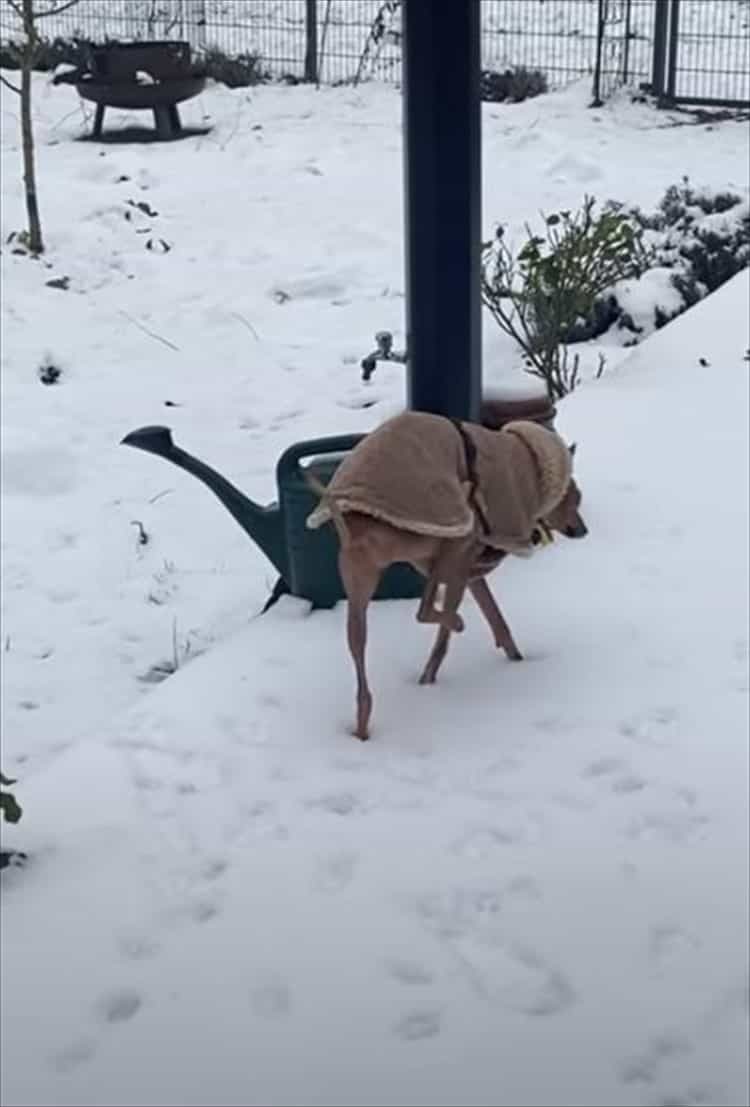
x,y
306,560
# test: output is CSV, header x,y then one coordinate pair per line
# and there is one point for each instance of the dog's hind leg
x,y
480,590
360,577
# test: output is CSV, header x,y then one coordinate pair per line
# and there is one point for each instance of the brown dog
x,y
451,499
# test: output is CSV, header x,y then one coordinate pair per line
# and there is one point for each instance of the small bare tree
x,y
30,12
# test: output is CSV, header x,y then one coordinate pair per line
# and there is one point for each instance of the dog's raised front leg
x,y
480,590
452,557
437,656
360,579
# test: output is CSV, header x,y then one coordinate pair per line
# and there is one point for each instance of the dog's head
x,y
565,517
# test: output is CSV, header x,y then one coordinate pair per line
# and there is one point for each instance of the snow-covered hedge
x,y
515,84
696,239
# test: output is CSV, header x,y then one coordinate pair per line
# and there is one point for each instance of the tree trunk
x,y
36,244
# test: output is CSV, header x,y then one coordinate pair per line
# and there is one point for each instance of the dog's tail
x,y
329,499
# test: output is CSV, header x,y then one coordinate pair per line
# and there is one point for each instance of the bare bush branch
x,y
56,9
8,84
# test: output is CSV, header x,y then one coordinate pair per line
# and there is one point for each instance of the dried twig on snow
x,y
150,333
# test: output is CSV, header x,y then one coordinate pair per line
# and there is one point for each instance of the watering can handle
x,y
289,461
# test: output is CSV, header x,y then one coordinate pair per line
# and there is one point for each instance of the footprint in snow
x,y
275,662
461,911
675,827
202,911
627,784
696,1096
145,783
338,803
74,1055
644,1068
533,987
267,700
271,998
515,977
136,947
283,774
480,842
285,417
471,923
604,766
119,1006
418,1025
616,773
653,728
213,869
571,801
62,595
410,973
668,945
336,872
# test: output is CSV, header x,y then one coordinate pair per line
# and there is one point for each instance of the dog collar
x,y
541,535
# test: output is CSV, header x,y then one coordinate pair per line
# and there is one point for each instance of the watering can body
x,y
312,555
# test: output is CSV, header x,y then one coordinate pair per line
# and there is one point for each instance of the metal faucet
x,y
383,352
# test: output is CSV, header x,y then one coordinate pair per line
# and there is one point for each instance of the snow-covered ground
x,y
531,886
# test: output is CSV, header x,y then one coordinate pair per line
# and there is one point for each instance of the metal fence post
x,y
674,39
626,49
311,40
661,18
601,20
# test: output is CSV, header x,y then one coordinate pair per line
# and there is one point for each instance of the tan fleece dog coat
x,y
412,472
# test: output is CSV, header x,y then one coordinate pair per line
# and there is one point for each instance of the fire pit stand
x,y
141,76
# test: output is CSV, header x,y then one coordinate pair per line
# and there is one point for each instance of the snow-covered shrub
x,y
8,803
556,283
696,240
703,237
238,71
11,812
516,84
48,55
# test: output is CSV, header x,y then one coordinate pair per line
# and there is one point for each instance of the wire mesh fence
x,y
624,45
349,40
708,59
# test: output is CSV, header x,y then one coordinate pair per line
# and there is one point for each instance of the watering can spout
x,y
262,524
157,440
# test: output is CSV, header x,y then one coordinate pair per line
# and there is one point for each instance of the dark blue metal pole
x,y
442,161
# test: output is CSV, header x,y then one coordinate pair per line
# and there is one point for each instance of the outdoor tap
x,y
384,352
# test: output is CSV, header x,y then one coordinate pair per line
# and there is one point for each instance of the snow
x,y
531,885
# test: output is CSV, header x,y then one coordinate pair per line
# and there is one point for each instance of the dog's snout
x,y
577,529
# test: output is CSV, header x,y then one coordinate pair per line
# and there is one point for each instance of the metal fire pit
x,y
112,82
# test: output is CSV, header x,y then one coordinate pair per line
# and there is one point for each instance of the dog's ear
x,y
572,448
